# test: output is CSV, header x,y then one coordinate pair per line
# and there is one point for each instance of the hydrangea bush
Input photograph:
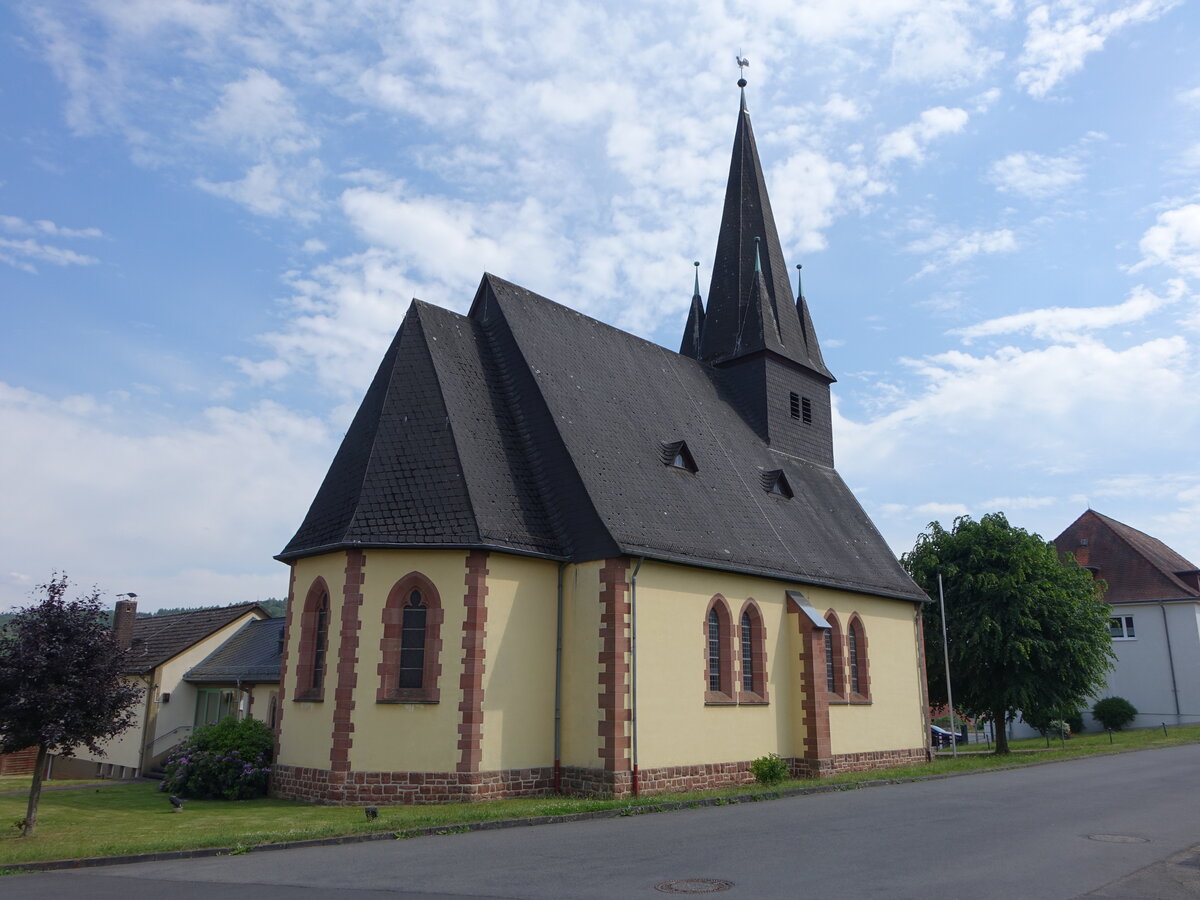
x,y
227,761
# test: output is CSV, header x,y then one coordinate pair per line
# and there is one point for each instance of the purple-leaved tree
x,y
61,685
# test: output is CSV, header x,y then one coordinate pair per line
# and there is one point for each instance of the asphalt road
x,y
1025,833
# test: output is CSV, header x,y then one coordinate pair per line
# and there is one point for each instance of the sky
x,y
213,216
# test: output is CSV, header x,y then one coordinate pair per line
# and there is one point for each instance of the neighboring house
x,y
1155,597
550,555
241,677
161,650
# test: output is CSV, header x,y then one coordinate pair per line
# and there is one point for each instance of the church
x,y
550,556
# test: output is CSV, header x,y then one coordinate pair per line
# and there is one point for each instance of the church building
x,y
550,556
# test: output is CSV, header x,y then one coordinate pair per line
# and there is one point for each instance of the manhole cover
x,y
1118,838
694,886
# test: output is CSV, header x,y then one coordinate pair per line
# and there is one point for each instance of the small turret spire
x,y
693,331
696,289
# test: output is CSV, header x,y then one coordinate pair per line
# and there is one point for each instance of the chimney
x,y
123,616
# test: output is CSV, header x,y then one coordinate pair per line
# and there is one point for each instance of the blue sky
x,y
213,216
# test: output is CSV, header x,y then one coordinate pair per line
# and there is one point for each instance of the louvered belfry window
x,y
412,642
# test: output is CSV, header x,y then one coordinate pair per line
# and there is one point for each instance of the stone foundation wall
x,y
362,788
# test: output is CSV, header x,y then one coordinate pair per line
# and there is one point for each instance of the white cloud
x,y
810,191
947,247
1072,323
45,226
22,254
159,511
269,190
1034,175
258,115
934,45
1174,241
910,141
1063,33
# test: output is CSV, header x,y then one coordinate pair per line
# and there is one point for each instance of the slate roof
x,y
157,639
1135,566
253,656
528,427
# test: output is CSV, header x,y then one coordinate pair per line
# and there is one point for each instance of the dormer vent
x,y
775,482
677,455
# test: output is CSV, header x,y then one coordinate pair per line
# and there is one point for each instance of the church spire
x,y
778,323
694,329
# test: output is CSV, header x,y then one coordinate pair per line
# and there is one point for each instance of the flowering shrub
x,y
227,761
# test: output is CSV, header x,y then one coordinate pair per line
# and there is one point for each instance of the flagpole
x,y
946,654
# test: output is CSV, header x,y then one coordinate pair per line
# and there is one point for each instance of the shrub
x,y
1075,721
1058,729
227,761
769,769
1114,712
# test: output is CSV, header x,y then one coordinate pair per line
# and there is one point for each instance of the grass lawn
x,y
123,818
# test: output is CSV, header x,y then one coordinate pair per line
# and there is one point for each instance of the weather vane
x,y
742,63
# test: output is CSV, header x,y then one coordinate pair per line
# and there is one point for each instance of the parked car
x,y
940,737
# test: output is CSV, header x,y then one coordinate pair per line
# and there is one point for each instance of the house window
x,y
212,705
410,648
860,679
753,656
718,653
1120,628
314,643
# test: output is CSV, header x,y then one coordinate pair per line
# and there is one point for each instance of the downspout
x,y
633,721
558,646
1170,659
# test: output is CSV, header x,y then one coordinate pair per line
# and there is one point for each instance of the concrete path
x,y
1116,827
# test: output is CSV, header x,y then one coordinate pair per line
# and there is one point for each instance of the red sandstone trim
x,y
725,696
838,642
341,739
863,694
306,652
614,665
757,695
389,690
289,623
470,728
815,705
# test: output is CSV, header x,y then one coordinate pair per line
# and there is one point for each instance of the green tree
x,y
61,685
1027,630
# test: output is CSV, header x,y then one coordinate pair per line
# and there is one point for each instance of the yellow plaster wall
x,y
581,665
260,702
126,748
406,737
675,727
304,738
518,677
894,719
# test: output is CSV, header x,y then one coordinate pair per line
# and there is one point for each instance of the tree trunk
x,y
1000,726
35,792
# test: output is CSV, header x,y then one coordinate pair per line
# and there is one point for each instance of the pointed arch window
x,y
411,646
752,634
860,677
314,643
835,663
718,653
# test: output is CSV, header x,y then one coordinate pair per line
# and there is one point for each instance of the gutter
x,y
1170,658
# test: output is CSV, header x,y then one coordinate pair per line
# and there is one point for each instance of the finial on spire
x,y
757,257
742,63
799,284
696,290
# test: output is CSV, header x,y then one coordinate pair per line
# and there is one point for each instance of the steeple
x,y
777,322
694,329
